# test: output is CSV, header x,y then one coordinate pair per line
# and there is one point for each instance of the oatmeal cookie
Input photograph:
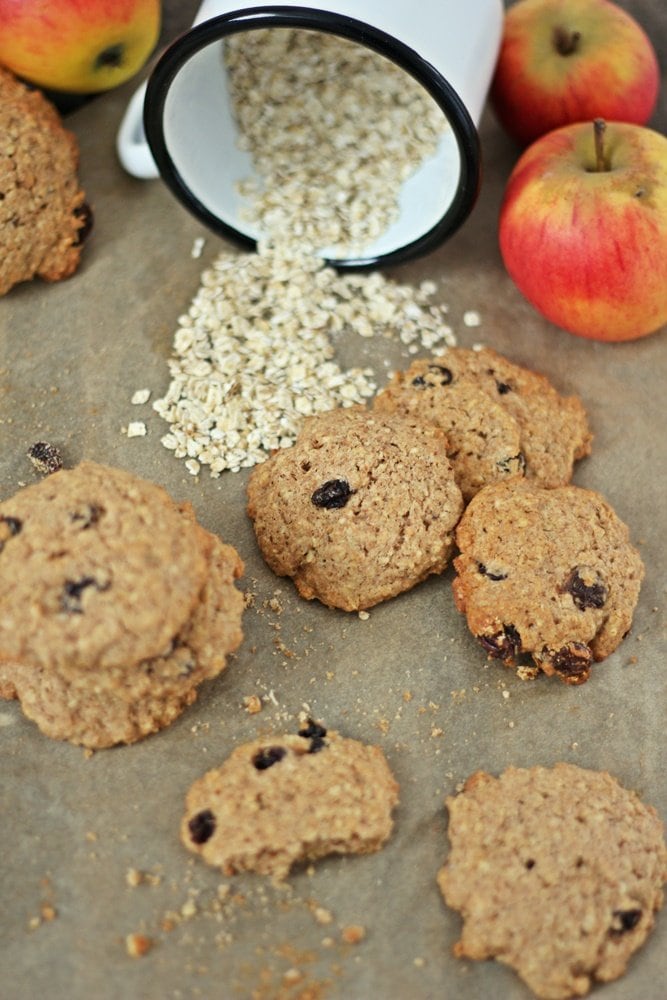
x,y
557,872
548,573
98,569
501,420
101,708
279,801
361,508
44,217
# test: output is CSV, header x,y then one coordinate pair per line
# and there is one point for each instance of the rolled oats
x,y
254,354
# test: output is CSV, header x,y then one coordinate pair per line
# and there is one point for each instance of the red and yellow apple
x,y
77,46
564,61
583,229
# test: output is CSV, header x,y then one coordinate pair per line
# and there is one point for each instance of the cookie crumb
x,y
133,877
472,318
353,933
322,915
364,616
138,945
252,704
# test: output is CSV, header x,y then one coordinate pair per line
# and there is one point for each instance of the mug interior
x,y
193,135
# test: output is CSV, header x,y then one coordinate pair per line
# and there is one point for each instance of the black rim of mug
x,y
215,29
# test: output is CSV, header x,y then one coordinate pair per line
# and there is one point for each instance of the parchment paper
x,y
78,831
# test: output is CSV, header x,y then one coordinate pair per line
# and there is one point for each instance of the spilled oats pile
x,y
333,130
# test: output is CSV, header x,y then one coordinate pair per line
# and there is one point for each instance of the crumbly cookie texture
x,y
361,508
557,872
43,213
501,420
288,799
548,574
92,698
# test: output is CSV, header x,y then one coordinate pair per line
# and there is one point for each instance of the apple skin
x,y
77,46
613,73
587,247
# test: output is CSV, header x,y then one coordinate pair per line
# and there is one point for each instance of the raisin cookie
x,y
361,508
549,573
557,872
277,802
501,420
104,664
44,217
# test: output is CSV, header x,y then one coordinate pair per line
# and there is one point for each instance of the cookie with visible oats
x,y
549,574
501,420
362,507
98,569
44,217
101,708
556,872
289,799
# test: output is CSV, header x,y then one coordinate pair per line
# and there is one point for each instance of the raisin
x,y
202,826
333,494
492,576
9,528
627,920
584,593
70,599
267,757
515,463
85,213
444,376
503,645
572,662
87,515
45,457
314,732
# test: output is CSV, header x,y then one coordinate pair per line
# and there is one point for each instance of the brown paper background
x,y
71,826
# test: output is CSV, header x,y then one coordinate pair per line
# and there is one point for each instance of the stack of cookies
x,y
115,604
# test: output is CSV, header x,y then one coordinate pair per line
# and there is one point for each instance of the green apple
x,y
564,61
77,47
583,229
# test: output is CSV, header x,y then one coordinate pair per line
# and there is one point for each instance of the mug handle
x,y
131,145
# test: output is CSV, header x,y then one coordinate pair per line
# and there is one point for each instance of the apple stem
x,y
566,42
599,128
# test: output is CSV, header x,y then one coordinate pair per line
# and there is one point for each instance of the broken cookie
x,y
293,798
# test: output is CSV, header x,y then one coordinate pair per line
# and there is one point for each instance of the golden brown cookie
x,y
556,872
546,574
287,799
501,420
43,214
98,569
361,508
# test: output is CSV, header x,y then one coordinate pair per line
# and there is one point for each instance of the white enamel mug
x,y
180,125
